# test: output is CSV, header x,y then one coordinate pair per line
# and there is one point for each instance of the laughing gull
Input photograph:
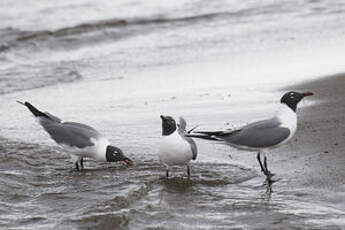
x,y
78,139
262,135
175,147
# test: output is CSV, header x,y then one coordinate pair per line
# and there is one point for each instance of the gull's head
x,y
168,125
292,98
114,154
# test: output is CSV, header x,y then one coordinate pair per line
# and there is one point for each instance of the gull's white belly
x,y
174,150
96,151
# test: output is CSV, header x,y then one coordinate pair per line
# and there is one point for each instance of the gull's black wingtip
x,y
33,109
192,129
210,133
202,136
20,102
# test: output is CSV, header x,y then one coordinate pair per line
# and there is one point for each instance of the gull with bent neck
x,y
78,139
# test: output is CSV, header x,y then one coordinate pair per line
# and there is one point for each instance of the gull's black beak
x,y
306,94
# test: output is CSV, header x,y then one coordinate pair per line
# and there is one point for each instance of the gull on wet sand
x,y
261,136
175,148
78,139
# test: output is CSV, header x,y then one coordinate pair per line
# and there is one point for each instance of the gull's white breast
x,y
174,150
288,118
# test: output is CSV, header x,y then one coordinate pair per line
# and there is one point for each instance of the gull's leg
x,y
76,160
188,171
77,166
82,163
264,167
265,164
167,171
267,172
259,159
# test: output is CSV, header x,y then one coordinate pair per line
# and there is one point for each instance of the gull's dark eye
x,y
115,153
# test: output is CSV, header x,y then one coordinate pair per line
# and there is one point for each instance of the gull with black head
x,y
263,135
78,139
175,147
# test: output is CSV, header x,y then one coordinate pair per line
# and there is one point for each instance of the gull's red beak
x,y
306,94
128,161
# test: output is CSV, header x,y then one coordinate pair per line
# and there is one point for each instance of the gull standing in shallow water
x,y
175,147
78,139
262,135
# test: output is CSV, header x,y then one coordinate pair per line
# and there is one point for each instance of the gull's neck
x,y
100,149
287,116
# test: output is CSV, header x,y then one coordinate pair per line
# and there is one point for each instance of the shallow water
x,y
40,189
117,67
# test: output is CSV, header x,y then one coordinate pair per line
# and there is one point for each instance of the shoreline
x,y
321,132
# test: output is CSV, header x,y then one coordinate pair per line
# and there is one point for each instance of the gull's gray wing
x,y
192,145
182,132
182,124
71,133
261,134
